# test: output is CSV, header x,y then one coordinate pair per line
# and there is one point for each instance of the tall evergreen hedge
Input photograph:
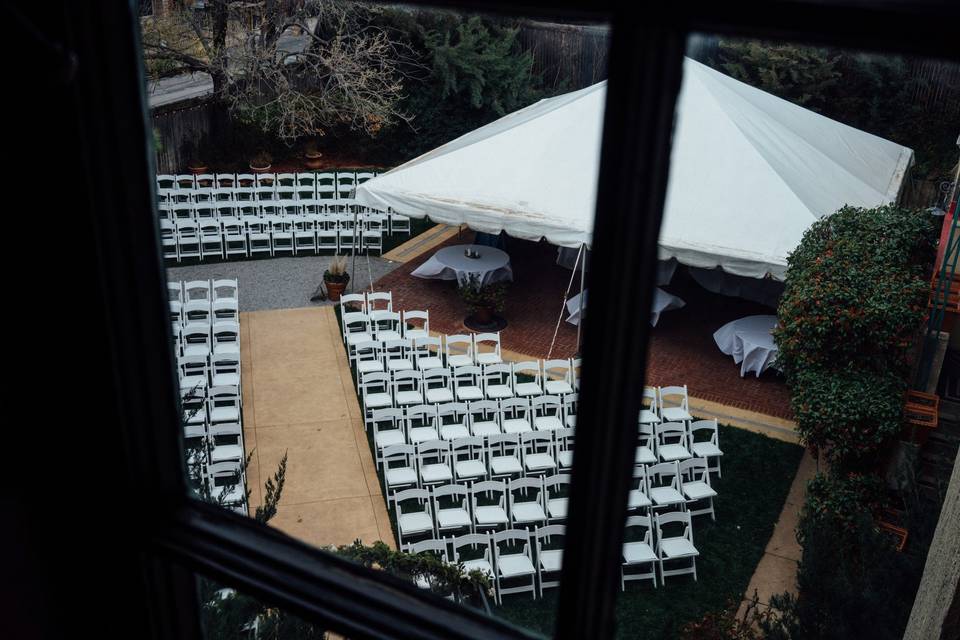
x,y
855,296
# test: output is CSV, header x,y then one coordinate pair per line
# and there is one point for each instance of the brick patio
x,y
682,350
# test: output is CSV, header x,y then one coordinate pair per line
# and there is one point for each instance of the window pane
x,y
801,178
434,410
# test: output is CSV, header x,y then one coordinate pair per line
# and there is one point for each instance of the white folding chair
x,y
674,404
695,476
537,452
665,486
223,404
211,239
397,467
466,383
498,381
459,350
451,509
407,388
386,324
478,556
488,502
388,430
469,459
397,355
557,377
434,464
226,440
639,499
570,402
452,418
304,235
366,357
515,415
526,502
228,485
515,565
225,370
646,452
421,423
547,413
487,356
672,441
234,239
549,554
638,551
414,515
671,546
427,352
555,490
411,329
375,392
503,456
484,418
563,439
258,237
226,337
527,378
650,410
709,447
188,239
169,239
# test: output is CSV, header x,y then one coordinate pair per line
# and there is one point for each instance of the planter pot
x,y
199,169
265,168
335,290
483,315
313,160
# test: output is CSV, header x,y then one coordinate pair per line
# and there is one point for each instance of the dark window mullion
x,y
645,67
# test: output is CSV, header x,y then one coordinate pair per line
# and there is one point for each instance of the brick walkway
x,y
682,350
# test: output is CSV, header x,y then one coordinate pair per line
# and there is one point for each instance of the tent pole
x,y
563,305
583,278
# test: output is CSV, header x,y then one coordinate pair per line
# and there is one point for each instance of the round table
x,y
450,263
662,301
750,342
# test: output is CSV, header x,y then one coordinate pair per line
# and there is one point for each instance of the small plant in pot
x,y
312,156
483,301
261,162
336,277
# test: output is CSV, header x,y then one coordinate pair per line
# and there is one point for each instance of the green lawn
x,y
757,473
417,226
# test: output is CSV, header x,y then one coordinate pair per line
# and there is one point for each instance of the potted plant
x,y
261,162
336,277
311,153
483,301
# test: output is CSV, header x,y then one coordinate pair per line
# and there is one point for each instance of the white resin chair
x,y
488,502
414,515
672,441
513,561
638,551
708,447
665,486
525,497
484,418
469,459
466,383
523,370
674,404
557,377
489,355
695,475
675,545
451,509
549,554
452,419
459,350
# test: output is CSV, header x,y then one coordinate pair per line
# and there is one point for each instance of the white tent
x,y
749,172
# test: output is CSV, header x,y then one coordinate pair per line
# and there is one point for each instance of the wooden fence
x,y
566,57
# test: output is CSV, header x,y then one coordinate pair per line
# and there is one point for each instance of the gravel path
x,y
281,283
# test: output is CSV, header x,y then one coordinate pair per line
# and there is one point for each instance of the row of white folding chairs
x,y
204,311
481,418
192,240
344,179
209,290
473,458
218,442
431,512
201,338
253,209
674,441
409,387
496,555
210,370
665,404
683,486
530,555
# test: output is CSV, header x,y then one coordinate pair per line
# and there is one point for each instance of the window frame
x,y
181,535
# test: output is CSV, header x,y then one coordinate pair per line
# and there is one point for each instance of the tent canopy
x,y
749,173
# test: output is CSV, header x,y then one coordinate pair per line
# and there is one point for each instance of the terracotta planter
x,y
199,169
335,290
313,160
263,169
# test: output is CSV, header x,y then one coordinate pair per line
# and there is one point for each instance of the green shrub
x,y
853,302
841,500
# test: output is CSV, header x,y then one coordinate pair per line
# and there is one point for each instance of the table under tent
x,y
749,173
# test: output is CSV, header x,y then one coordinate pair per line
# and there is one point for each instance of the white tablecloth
x,y
662,301
450,263
750,343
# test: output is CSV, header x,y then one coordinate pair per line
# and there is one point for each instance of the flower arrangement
x,y
477,295
337,271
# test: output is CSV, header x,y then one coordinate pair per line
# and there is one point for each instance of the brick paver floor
x,y
682,350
